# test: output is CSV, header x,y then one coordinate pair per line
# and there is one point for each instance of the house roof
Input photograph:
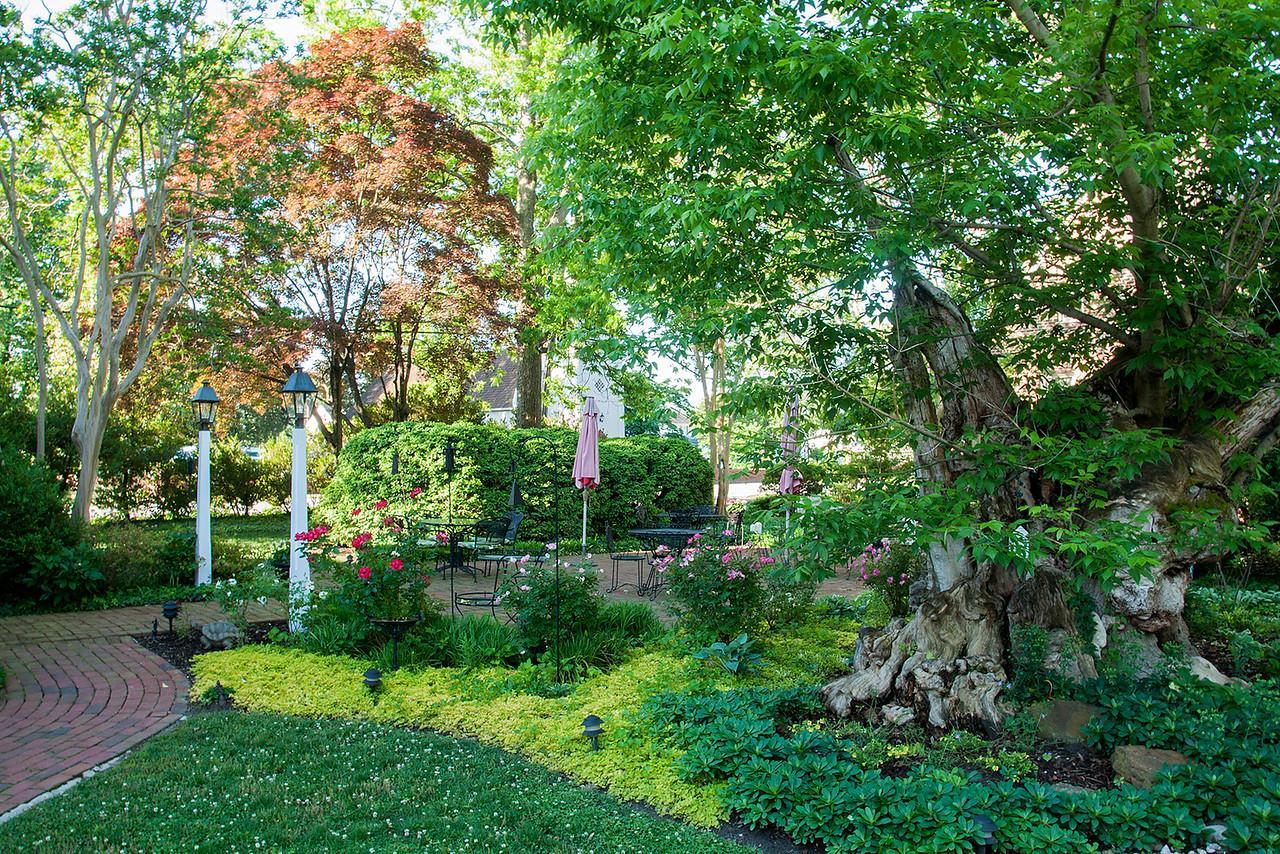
x,y
496,386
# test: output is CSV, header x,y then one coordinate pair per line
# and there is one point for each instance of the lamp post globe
x,y
204,408
299,397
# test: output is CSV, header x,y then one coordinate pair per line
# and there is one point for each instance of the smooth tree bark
x,y
117,137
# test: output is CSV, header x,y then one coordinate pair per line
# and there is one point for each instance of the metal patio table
x,y
675,539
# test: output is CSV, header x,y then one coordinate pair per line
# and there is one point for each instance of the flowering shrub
x,y
236,594
888,568
530,594
717,589
384,575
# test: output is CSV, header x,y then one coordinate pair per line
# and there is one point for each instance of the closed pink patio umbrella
x,y
791,482
586,463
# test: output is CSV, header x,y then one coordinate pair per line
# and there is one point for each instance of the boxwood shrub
x,y
650,472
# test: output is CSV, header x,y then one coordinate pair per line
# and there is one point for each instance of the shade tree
x,y
1046,231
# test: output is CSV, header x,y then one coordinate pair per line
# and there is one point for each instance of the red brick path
x,y
80,691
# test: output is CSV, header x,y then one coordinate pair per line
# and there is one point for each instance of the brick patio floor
x,y
80,691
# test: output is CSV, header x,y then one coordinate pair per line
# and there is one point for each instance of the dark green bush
x,y
238,481
33,522
649,472
61,577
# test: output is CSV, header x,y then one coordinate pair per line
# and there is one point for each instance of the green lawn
x,y
265,532
240,782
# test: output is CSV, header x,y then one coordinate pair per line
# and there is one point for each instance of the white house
x,y
564,395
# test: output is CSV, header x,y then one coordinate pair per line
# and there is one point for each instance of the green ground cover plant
x,y
522,710
292,783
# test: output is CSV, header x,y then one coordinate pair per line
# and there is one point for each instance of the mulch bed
x,y
1075,765
179,648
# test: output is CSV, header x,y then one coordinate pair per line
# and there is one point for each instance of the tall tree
x,y
373,216
962,191
112,101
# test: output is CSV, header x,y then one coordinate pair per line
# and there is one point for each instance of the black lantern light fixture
x,y
450,448
592,729
373,679
204,405
169,610
299,396
987,828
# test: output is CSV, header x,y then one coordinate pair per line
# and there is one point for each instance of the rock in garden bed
x,y
180,647
1139,765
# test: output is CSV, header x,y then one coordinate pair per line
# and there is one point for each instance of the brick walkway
x,y
80,691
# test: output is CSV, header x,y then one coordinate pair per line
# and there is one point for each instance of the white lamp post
x,y
299,396
204,405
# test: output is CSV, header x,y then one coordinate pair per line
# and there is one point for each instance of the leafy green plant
x,y
542,599
66,575
1031,680
738,657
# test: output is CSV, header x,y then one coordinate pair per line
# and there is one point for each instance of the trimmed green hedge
x,y
655,472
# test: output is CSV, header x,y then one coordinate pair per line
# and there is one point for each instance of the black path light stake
x,y
169,610
373,679
592,729
988,829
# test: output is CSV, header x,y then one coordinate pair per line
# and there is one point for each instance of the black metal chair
x,y
492,599
619,558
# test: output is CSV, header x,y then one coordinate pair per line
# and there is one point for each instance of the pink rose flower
x,y
365,573
380,504
396,564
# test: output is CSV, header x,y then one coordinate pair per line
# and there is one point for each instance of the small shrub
x,y
235,595
530,593
716,590
63,577
889,568
33,520
174,488
788,600
128,555
237,480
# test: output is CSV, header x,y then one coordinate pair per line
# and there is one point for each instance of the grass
x,y
229,781
266,532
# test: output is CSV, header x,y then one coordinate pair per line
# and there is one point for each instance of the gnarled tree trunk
x,y
951,659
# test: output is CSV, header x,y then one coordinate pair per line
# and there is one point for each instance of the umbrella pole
x,y
585,492
786,536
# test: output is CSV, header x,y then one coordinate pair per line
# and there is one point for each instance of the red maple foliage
x,y
366,210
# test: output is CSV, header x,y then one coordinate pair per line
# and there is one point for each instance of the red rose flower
x,y
396,564
381,504
355,512
415,492
364,572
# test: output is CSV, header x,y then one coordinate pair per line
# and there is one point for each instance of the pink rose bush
x,y
717,589
383,574
888,568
